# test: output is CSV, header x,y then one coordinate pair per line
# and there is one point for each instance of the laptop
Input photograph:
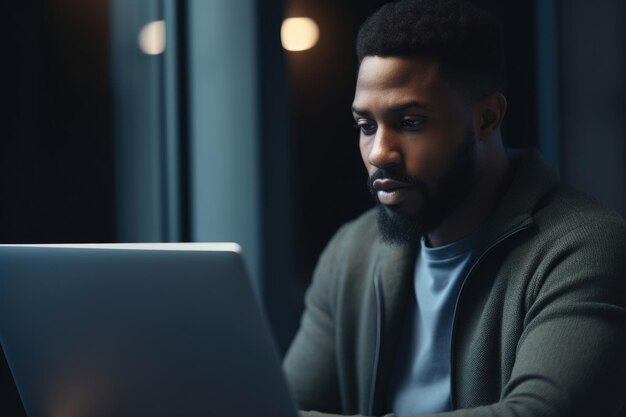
x,y
137,330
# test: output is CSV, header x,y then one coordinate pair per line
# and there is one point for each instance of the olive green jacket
x,y
539,327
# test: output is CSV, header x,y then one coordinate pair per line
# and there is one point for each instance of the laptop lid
x,y
137,330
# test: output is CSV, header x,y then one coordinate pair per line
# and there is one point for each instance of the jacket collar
x,y
531,181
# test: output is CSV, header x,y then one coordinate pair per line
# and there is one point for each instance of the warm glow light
x,y
152,38
299,33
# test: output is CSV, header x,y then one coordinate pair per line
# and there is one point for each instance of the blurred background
x,y
216,120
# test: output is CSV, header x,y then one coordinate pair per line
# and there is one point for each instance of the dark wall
x,y
593,110
56,153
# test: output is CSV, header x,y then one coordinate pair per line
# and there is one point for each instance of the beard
x,y
397,227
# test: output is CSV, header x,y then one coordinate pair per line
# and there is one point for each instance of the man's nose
x,y
385,150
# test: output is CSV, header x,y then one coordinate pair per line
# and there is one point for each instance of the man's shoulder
x,y
566,211
554,207
354,243
572,228
357,237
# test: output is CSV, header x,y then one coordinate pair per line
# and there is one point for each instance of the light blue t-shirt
x,y
421,377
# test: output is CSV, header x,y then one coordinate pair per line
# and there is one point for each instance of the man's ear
x,y
491,110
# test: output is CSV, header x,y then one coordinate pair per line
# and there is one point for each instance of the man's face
x,y
417,143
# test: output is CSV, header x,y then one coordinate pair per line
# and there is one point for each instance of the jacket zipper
x,y
379,337
456,305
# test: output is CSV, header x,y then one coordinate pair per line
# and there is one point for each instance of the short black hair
x,y
465,40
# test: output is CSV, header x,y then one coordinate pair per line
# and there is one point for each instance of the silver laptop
x,y
137,330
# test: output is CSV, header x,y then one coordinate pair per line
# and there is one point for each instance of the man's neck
x,y
477,206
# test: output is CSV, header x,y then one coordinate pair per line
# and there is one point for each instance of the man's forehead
x,y
396,79
390,72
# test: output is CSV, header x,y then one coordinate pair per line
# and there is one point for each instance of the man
x,y
479,286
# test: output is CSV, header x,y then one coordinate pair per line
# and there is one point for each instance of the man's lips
x,y
391,192
387,184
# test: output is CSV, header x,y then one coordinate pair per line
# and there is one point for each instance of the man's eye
x,y
412,124
365,127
